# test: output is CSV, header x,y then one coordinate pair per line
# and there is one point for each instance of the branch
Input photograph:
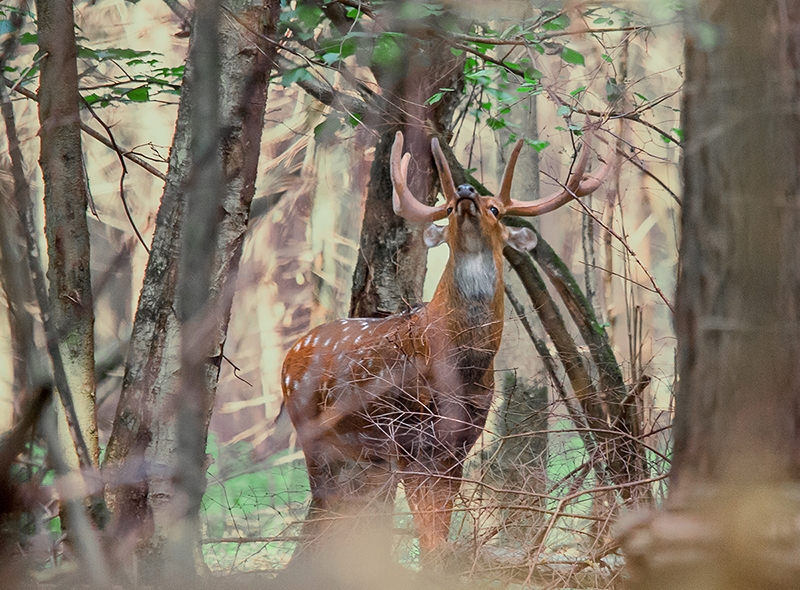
x,y
94,134
575,413
120,155
520,40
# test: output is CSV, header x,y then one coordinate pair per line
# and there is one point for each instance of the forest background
x,y
541,492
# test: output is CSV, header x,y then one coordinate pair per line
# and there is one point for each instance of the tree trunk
x,y
65,204
392,259
733,487
140,457
517,462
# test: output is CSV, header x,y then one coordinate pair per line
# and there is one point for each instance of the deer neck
x,y
470,294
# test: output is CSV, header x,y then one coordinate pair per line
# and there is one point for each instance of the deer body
x,y
409,394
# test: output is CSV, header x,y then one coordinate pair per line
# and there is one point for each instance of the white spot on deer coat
x,y
307,341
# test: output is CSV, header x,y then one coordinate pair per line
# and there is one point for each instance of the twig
x,y
633,255
121,157
94,134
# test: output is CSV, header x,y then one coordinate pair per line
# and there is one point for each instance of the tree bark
x,y
194,306
65,205
392,259
140,457
733,485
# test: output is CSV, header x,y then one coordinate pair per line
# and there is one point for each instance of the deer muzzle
x,y
466,200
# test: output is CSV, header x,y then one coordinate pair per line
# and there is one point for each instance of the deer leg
x,y
430,497
370,503
325,494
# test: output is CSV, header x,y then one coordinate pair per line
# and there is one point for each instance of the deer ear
x,y
521,238
434,235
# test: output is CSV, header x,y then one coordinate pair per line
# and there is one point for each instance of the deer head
x,y
474,226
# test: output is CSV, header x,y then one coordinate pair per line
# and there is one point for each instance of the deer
x,y
408,395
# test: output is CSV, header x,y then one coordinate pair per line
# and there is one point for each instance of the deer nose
x,y
466,190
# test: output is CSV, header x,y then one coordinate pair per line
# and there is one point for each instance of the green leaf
x,y
563,111
641,96
456,52
435,98
679,132
141,94
600,21
438,95
387,52
607,57
419,10
121,53
537,144
86,53
326,130
91,99
28,39
532,75
495,123
614,91
572,57
291,76
354,119
481,77
330,58
309,16
557,24
577,91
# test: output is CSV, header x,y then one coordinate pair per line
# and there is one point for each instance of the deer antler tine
x,y
404,203
591,183
445,176
576,186
505,187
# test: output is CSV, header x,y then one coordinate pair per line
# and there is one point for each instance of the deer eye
x,y
495,211
449,210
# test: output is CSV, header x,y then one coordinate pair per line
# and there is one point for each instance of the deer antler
x,y
577,185
405,204
445,176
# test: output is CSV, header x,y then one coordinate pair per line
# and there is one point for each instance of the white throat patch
x,y
476,275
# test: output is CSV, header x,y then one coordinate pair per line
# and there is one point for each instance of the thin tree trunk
x,y
140,457
65,205
194,306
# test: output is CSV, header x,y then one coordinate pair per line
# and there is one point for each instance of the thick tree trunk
x,y
392,259
736,462
140,457
65,204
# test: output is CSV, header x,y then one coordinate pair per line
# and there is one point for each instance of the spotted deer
x,y
408,395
